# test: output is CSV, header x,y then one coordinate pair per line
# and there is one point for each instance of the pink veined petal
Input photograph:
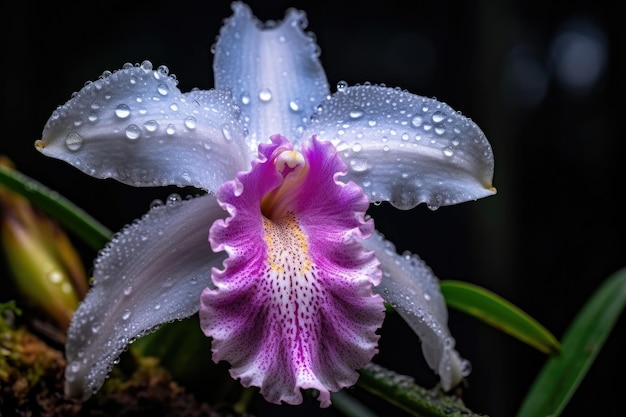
x,y
294,308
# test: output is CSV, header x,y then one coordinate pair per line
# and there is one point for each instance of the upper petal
x,y
152,272
273,71
136,126
406,149
412,289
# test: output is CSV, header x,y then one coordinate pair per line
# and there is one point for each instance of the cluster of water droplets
x,y
101,99
381,131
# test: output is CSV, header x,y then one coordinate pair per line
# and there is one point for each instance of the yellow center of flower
x,y
288,250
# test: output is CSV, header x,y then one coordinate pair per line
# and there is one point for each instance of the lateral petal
x,y
406,149
152,272
136,126
273,71
412,289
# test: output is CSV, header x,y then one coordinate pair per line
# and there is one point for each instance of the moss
x,y
32,380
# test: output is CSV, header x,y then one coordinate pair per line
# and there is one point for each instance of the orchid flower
x,y
277,255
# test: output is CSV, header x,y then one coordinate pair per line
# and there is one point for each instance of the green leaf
x,y
402,391
57,207
499,313
561,375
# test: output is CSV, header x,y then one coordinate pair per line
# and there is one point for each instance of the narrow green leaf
x,y
499,313
561,375
57,207
401,391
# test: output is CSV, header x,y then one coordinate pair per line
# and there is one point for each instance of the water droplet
x,y
417,121
438,117
95,328
357,147
122,111
133,132
226,132
73,141
245,98
386,148
174,107
440,130
163,89
190,122
55,277
265,95
372,123
466,367
92,118
294,106
128,290
151,125
170,130
341,86
356,113
358,165
156,203
174,199
126,314
163,70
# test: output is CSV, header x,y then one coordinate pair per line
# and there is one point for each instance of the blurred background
x,y
544,81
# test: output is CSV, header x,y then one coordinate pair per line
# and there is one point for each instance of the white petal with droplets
x,y
412,289
405,148
136,126
152,272
273,71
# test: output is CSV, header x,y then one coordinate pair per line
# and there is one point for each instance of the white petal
x,y
406,149
136,126
412,289
273,71
152,272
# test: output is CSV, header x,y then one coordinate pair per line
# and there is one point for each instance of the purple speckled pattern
x,y
294,306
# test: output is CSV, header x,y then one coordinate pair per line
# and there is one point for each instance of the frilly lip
x,y
293,307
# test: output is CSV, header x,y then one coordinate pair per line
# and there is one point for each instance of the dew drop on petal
x,y
438,117
133,132
122,111
162,89
356,113
358,165
174,198
265,95
171,129
226,132
73,141
190,122
126,314
294,106
341,86
357,147
448,151
151,125
417,121
245,98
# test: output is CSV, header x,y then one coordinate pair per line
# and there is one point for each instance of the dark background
x,y
544,81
